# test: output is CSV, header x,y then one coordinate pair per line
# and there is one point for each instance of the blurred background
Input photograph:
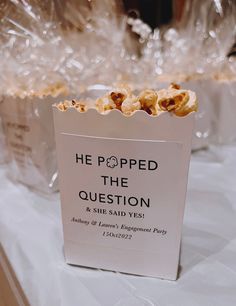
x,y
55,49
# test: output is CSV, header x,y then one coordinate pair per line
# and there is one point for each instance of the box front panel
x,y
122,195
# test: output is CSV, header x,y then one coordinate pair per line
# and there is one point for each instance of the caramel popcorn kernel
x,y
174,86
80,107
104,104
167,104
62,106
172,103
148,100
130,105
117,98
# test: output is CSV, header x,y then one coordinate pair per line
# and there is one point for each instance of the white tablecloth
x,y
31,236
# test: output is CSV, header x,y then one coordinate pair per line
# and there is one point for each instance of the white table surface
x,y
31,236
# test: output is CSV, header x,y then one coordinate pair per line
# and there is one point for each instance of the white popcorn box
x,y
123,184
29,133
224,99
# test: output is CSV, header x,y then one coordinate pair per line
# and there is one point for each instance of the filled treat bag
x,y
64,43
123,178
190,51
224,95
204,130
29,134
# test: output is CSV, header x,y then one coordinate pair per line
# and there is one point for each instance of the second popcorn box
x,y
123,168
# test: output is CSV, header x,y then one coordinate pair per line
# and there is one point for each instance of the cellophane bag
x,y
30,84
29,135
43,45
191,51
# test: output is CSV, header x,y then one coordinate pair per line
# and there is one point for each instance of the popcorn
x,y
175,100
114,99
79,105
130,105
171,99
119,95
190,106
148,100
63,106
105,104
180,102
118,98
54,90
174,86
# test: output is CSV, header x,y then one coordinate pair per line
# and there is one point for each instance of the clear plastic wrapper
x,y
200,42
77,43
30,141
203,125
46,43
30,49
80,43
191,51
208,32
